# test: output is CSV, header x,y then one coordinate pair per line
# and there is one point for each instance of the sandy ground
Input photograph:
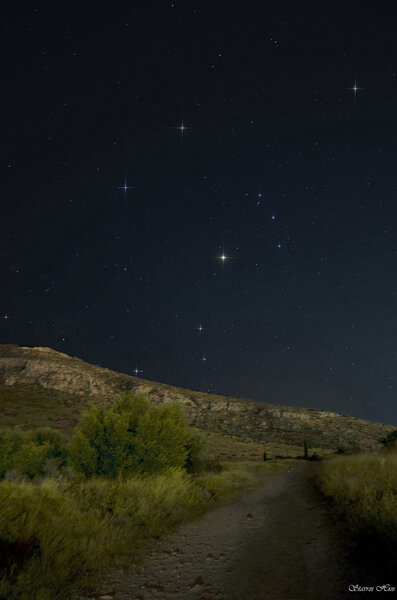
x,y
273,543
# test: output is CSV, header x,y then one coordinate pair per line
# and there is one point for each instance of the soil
x,y
275,542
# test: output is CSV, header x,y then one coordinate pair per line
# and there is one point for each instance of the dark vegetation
x,y
361,489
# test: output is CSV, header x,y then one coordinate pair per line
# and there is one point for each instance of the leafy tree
x,y
161,438
132,434
100,443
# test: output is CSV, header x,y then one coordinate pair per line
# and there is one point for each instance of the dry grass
x,y
233,448
363,491
31,406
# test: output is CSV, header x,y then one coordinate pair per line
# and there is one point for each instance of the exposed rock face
x,y
47,375
53,370
250,420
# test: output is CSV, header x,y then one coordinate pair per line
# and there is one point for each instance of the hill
x,y
39,386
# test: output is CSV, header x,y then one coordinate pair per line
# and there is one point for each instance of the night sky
x,y
141,142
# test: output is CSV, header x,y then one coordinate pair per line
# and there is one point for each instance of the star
x,y
6,317
126,187
200,328
355,89
223,256
182,128
137,371
203,358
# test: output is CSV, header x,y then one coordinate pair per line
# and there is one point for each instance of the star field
x,y
203,194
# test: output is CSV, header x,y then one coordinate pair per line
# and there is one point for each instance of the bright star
x,y
137,371
223,257
182,128
126,187
355,89
6,317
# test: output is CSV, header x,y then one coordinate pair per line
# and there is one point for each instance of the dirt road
x,y
273,543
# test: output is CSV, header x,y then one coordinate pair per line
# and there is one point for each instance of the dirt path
x,y
273,543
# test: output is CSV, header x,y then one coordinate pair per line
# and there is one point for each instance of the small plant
x,y
315,457
390,441
305,451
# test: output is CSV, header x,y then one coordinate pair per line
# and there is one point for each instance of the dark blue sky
x,y
282,165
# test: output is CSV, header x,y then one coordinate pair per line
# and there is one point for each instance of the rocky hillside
x,y
41,386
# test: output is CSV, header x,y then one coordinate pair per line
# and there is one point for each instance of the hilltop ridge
x,y
34,379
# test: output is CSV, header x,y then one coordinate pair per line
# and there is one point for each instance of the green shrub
x,y
30,458
56,443
197,458
29,453
161,438
10,442
101,443
131,435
